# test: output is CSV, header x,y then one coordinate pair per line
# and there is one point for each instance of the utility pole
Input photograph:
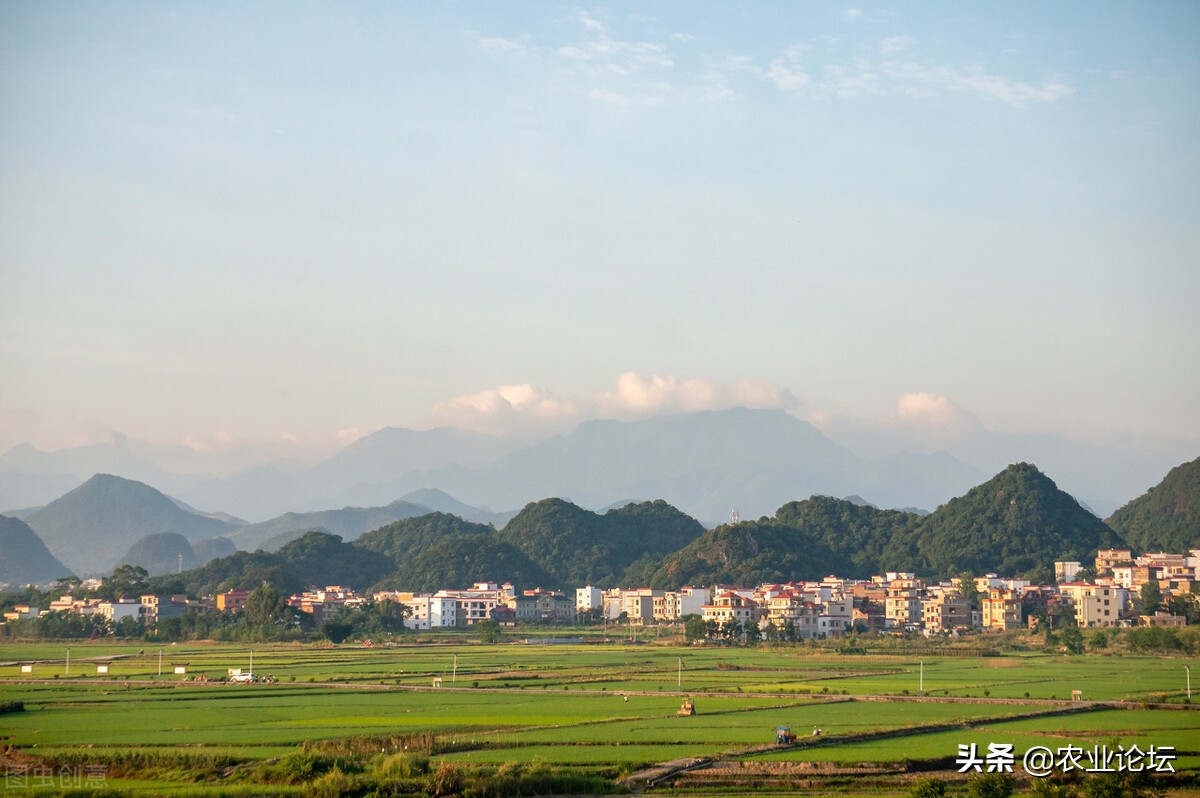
x,y
922,677
160,663
681,675
454,674
1189,681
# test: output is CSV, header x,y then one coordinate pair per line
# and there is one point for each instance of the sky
x,y
275,227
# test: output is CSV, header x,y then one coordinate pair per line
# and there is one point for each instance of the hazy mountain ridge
x,y
93,526
348,523
705,463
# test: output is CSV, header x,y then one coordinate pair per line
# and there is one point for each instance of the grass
x,y
565,704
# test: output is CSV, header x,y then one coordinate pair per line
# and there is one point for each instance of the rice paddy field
x,y
606,710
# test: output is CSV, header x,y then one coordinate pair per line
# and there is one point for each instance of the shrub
x,y
333,784
928,788
446,780
990,785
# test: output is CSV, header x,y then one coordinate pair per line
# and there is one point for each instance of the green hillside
x,y
407,539
748,553
462,560
1014,523
315,559
578,547
1166,517
24,558
853,531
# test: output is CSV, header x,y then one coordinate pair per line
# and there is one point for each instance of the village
x,y
1118,589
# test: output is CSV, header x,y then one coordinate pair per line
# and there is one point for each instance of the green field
x,y
595,708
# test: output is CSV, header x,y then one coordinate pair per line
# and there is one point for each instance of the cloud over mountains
x,y
525,408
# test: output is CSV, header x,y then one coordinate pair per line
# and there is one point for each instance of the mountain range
x,y
706,464
1015,522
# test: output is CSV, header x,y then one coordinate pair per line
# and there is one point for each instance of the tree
x,y
125,580
1072,640
968,590
1151,598
694,627
489,631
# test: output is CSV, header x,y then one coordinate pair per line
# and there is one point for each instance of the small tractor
x,y
784,736
688,708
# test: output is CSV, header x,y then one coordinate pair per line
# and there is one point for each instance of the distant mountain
x,y
442,502
578,547
22,490
405,540
161,553
1014,523
704,463
461,561
24,558
93,526
255,493
348,522
1166,517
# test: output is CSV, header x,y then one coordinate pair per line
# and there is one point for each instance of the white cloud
x,y
590,22
928,411
499,44
787,72
933,78
525,408
854,14
895,44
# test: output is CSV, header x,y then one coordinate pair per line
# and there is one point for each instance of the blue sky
x,y
293,223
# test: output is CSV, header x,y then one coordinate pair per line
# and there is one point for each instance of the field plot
x,y
593,709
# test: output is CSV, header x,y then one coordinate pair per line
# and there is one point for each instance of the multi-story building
x,y
124,607
732,606
1001,609
1065,571
158,608
902,606
587,599
232,600
945,611
1107,559
1096,605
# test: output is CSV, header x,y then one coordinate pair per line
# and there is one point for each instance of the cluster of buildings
x,y
148,608
830,607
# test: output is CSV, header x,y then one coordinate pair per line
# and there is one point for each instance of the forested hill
x,y
1166,517
1017,523
317,558
578,547
1014,523
459,561
405,540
